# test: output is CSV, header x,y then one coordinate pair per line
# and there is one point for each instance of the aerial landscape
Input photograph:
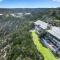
x,y
29,30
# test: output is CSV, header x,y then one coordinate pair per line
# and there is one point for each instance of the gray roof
x,y
42,24
55,31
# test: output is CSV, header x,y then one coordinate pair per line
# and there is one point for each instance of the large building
x,y
52,37
40,25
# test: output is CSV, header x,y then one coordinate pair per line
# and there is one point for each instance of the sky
x,y
29,3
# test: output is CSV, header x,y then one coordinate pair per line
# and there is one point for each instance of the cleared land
x,y
44,51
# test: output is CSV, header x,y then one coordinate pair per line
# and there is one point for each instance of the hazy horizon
x,y
29,3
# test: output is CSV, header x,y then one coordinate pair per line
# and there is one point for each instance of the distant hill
x,y
48,11
17,10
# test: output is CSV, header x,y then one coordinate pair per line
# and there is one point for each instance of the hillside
x,y
15,39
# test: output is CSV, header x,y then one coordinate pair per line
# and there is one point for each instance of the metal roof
x,y
55,31
41,24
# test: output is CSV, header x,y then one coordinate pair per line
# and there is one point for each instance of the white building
x,y
41,24
51,38
55,31
1,14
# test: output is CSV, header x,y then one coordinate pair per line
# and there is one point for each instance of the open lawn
x,y
44,51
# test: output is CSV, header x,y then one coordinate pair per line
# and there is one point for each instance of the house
x,y
51,39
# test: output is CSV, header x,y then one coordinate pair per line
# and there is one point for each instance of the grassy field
x,y
44,51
